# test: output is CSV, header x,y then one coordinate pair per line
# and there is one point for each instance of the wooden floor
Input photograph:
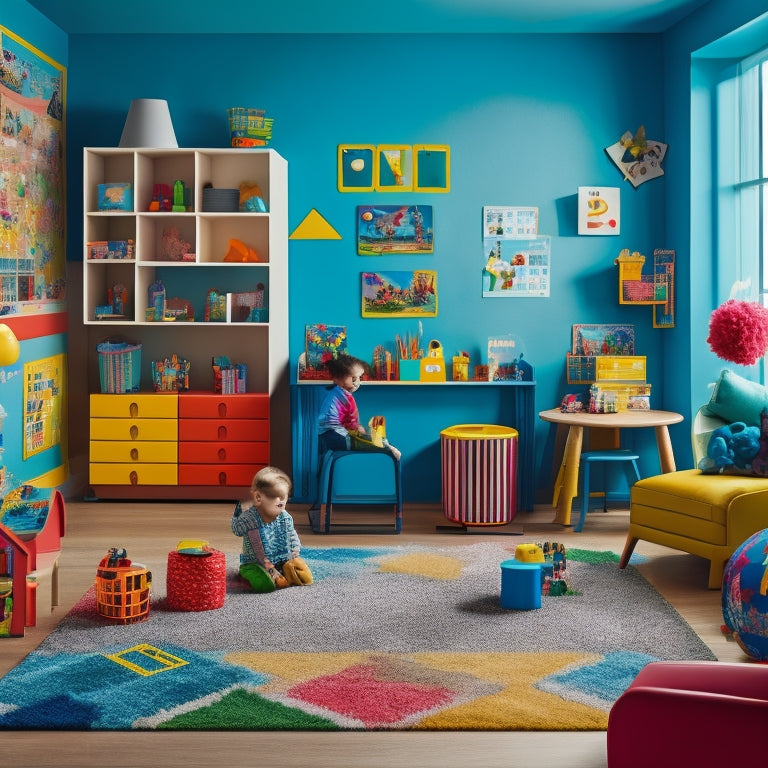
x,y
150,530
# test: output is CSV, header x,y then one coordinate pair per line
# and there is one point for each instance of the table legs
x,y
664,444
567,483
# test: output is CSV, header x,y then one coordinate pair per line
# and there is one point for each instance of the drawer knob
x,y
222,478
134,410
134,477
135,454
222,432
222,454
222,410
134,431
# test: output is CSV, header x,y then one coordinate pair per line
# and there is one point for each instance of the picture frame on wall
x,y
357,167
391,229
599,211
406,293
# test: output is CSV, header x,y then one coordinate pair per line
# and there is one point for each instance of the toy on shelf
x,y
173,247
122,588
461,366
161,198
238,251
215,306
156,301
117,298
180,196
171,374
251,198
228,378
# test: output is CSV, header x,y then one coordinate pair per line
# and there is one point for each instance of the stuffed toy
x,y
731,448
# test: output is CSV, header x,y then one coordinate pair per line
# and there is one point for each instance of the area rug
x,y
386,638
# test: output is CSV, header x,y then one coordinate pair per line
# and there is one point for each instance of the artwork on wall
x,y
399,293
44,400
431,168
639,159
510,221
599,210
516,266
603,339
384,229
322,342
393,168
32,90
357,167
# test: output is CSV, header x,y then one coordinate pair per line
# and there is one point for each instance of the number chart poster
x,y
43,404
32,211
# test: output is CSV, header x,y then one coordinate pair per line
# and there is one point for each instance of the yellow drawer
x,y
134,429
136,406
129,451
133,474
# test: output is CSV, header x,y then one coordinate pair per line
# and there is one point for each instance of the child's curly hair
x,y
341,366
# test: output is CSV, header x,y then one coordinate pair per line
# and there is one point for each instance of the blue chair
x,y
588,458
320,514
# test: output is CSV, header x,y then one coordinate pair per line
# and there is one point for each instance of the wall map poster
x,y
32,214
43,404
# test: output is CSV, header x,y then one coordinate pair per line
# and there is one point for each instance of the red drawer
x,y
207,405
230,475
242,430
222,453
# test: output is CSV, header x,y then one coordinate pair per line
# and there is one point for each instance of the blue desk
x,y
509,403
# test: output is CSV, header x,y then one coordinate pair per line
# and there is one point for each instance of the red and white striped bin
x,y
479,473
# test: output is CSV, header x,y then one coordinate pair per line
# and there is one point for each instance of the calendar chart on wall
x,y
43,403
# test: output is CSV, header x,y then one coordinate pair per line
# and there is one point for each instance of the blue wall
x,y
527,119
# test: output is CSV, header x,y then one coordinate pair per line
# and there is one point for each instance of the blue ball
x,y
745,595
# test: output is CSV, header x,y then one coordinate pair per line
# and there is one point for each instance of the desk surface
x,y
612,420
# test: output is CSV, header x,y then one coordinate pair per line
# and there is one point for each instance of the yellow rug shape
x,y
424,564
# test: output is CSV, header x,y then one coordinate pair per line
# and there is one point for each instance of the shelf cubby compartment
x,y
100,277
151,228
228,170
105,166
216,230
159,167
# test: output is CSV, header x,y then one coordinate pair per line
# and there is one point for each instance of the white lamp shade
x,y
148,124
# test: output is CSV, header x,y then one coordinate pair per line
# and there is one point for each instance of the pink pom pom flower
x,y
738,331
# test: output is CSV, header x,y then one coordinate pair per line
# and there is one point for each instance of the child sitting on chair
x,y
339,421
271,547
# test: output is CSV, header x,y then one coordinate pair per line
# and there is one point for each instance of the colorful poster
x,y
32,215
599,210
399,294
516,266
43,404
385,229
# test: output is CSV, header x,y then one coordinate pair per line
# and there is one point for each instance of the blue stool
x,y
520,585
587,459
320,519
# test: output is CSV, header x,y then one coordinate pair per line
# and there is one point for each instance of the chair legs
x,y
587,459
321,519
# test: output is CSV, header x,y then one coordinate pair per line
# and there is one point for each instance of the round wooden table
x,y
567,483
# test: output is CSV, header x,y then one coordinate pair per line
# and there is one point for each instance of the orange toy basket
x,y
122,589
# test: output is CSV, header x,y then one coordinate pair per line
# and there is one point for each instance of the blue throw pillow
x,y
735,398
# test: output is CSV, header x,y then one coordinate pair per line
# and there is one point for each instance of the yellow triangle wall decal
x,y
314,227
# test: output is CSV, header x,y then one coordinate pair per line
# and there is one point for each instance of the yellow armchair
x,y
705,515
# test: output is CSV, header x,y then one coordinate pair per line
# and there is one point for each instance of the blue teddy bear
x,y
733,445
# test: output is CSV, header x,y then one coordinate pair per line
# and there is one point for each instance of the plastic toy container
x,y
479,473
